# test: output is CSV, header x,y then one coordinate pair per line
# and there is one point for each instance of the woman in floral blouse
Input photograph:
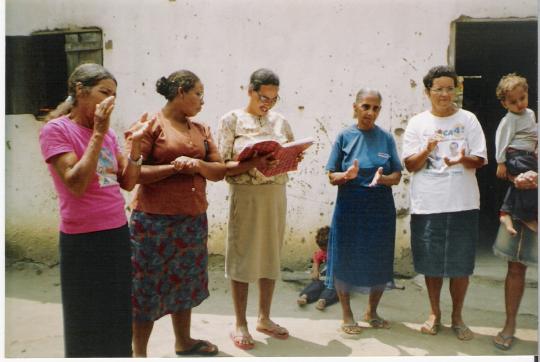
x,y
257,205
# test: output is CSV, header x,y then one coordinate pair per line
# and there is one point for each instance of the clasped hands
x,y
186,165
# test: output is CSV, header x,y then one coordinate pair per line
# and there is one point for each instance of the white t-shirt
x,y
436,187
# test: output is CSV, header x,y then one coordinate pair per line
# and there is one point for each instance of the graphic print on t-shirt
x,y
106,168
452,140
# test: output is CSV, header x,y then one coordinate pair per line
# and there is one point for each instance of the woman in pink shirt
x,y
88,170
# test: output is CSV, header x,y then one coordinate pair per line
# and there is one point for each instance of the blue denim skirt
x,y
522,248
443,244
362,238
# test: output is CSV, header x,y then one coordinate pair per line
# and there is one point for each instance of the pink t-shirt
x,y
101,207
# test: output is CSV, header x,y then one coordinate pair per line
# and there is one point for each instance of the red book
x,y
286,154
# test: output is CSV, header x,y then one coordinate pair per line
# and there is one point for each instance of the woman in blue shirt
x,y
364,164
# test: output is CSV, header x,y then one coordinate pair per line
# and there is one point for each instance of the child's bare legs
x,y
506,220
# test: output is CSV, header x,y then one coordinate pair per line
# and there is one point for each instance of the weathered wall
x,y
323,50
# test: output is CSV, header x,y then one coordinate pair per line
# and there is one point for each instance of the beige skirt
x,y
255,233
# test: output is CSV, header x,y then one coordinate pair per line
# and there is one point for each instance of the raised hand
x,y
352,171
140,128
376,177
454,161
102,115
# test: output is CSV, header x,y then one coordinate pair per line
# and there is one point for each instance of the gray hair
x,y
367,91
363,92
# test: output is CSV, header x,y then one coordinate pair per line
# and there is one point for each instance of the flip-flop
x,y
462,332
238,338
351,328
275,331
506,344
200,349
378,323
430,327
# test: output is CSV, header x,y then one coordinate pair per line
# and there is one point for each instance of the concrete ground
x,y
33,318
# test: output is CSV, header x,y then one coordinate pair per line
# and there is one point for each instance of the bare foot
x,y
531,224
506,220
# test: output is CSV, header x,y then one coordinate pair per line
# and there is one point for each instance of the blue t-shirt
x,y
373,149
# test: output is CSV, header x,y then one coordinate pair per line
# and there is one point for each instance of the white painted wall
x,y
323,51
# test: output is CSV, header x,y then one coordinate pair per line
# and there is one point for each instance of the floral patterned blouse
x,y
238,128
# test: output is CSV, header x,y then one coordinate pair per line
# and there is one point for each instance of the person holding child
x,y
258,205
516,142
169,226
88,170
445,201
316,290
364,164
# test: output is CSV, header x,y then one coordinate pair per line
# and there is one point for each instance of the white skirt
x,y
255,232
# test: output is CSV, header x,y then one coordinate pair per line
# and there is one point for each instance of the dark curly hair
x,y
322,236
168,87
437,72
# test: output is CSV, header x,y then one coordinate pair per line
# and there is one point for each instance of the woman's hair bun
x,y
162,86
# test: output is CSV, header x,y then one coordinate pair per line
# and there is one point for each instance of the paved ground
x,y
34,321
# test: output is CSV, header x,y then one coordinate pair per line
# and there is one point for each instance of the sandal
x,y
240,340
462,332
377,322
200,348
351,328
430,327
274,330
507,341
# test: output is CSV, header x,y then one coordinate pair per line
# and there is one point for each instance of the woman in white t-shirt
x,y
445,199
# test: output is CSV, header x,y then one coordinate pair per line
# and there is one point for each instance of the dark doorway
x,y
484,52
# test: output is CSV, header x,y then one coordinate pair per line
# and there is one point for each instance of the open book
x,y
286,154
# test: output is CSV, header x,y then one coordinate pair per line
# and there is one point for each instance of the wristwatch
x,y
135,162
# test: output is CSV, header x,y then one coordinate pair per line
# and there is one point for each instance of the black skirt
x,y
95,275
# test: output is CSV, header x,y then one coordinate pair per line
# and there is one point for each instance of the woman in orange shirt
x,y
169,227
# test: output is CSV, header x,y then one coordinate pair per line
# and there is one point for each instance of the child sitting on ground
x,y
516,152
316,290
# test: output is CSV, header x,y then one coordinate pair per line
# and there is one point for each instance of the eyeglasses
x,y
265,99
448,90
